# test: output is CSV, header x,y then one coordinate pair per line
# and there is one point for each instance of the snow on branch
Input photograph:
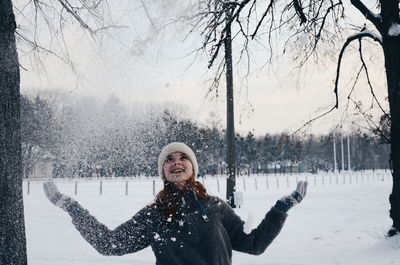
x,y
371,16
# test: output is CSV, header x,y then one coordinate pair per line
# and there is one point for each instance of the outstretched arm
x,y
131,236
261,237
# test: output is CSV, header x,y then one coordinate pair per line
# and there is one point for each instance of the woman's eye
x,y
184,157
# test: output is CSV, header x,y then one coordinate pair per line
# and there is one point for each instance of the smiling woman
x,y
178,168
184,225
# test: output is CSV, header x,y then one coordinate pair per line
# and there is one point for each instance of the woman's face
x,y
177,168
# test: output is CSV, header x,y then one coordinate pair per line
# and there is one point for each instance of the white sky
x,y
138,68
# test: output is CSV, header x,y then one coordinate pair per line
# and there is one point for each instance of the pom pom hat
x,y
176,147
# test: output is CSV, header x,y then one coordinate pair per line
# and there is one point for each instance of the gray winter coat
x,y
192,240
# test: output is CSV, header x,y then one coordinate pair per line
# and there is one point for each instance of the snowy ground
x,y
342,220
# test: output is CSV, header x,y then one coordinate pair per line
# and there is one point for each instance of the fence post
x,y
218,184
76,187
266,181
287,181
101,187
154,187
29,184
244,183
255,182
315,180
277,182
126,188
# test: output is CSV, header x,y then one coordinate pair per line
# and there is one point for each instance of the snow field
x,y
342,220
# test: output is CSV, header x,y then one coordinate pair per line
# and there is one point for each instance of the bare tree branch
x,y
148,15
314,119
299,11
362,34
364,66
262,19
374,18
70,9
371,122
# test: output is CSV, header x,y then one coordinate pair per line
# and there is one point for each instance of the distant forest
x,y
83,137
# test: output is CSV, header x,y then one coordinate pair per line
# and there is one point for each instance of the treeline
x,y
84,137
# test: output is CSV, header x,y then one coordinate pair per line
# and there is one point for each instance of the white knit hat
x,y
176,147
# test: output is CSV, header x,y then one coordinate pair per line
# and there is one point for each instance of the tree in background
x,y
39,131
313,26
105,139
54,14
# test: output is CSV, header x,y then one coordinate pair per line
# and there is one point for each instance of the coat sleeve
x,y
259,238
129,237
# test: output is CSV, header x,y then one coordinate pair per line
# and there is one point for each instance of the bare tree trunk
x,y
391,44
12,228
230,128
392,64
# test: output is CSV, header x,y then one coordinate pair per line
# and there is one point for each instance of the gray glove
x,y
288,201
55,197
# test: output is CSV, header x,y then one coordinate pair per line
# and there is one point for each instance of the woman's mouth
x,y
177,171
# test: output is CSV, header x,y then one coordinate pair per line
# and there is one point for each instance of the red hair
x,y
168,199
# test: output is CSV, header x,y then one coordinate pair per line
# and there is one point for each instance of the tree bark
x,y
391,44
230,128
392,65
12,227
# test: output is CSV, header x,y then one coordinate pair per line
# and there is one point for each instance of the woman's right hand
x,y
56,197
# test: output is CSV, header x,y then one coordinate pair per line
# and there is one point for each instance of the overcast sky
x,y
138,66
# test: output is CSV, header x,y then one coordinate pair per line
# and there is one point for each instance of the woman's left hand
x,y
288,201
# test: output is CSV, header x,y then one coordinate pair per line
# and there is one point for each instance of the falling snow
x,y
394,30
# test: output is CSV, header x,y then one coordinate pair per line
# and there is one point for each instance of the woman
x,y
184,225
